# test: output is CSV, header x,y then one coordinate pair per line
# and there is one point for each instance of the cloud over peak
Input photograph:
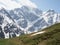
x,y
11,4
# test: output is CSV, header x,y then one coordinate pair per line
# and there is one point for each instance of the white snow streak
x,y
38,33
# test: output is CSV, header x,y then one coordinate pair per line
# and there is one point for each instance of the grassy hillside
x,y
50,37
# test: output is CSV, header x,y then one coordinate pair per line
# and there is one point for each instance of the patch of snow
x,y
17,35
6,35
38,33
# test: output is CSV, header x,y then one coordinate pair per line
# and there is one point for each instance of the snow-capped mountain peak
x,y
23,17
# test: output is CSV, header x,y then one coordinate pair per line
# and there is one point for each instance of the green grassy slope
x,y
50,37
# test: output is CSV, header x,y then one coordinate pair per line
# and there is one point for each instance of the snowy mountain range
x,y
25,19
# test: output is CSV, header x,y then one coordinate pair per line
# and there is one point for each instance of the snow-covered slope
x,y
8,27
23,17
26,20
32,19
